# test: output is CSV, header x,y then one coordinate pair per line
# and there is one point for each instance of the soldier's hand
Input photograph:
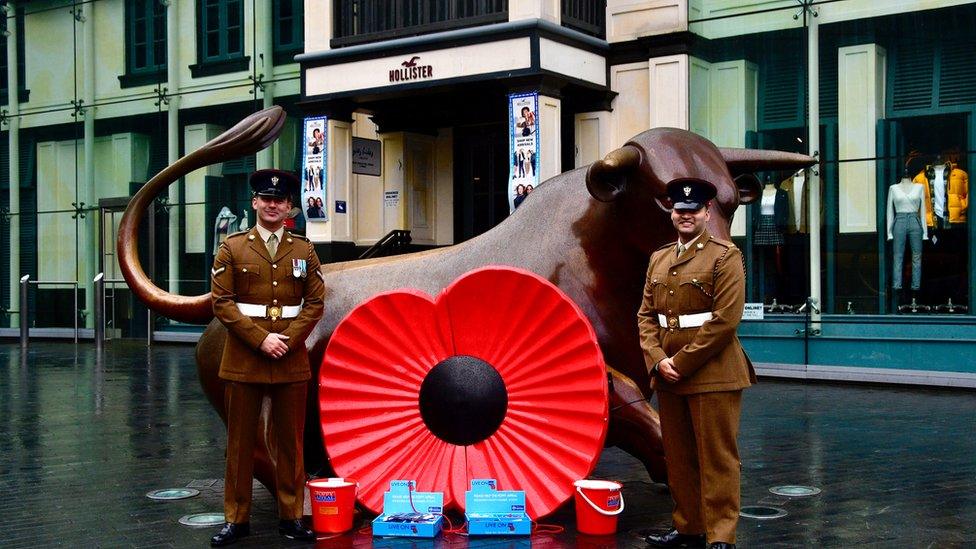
x,y
274,345
667,370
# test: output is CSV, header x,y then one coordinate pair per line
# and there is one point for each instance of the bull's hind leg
x,y
635,427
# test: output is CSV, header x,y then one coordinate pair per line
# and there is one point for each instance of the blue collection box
x,y
492,512
410,514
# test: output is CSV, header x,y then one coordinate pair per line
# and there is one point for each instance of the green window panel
x,y
288,30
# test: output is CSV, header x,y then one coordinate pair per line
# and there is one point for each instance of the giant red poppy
x,y
500,377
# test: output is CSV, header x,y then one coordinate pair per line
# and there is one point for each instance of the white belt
x,y
685,321
273,312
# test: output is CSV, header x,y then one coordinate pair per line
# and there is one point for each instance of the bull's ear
x,y
750,189
744,161
606,179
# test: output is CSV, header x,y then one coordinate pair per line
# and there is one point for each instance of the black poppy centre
x,y
463,400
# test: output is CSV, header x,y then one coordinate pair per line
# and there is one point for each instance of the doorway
x,y
480,179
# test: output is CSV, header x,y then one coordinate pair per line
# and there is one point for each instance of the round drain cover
x,y
794,491
173,493
202,520
761,512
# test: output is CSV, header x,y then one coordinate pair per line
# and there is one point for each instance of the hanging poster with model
x,y
314,164
523,134
906,225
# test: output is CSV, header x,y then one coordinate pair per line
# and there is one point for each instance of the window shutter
x,y
782,96
957,81
913,67
828,84
244,165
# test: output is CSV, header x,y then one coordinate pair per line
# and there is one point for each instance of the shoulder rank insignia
x,y
215,272
299,268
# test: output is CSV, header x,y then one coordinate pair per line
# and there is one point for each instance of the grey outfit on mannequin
x,y
905,215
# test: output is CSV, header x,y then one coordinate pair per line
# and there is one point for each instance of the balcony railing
x,y
586,16
361,21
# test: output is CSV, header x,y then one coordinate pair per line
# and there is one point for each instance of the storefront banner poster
x,y
523,119
314,163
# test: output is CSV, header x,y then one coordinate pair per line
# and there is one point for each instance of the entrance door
x,y
419,153
125,316
480,179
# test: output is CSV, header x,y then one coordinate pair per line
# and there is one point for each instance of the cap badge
x,y
687,190
274,180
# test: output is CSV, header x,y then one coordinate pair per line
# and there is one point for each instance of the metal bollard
x,y
99,281
24,321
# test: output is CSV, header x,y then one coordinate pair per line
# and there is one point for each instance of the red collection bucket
x,y
333,504
598,502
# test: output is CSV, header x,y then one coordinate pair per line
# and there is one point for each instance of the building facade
x,y
861,269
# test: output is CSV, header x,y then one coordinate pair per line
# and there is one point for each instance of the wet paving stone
x,y
83,440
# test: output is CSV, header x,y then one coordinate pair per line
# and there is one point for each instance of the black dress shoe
x,y
295,529
675,539
721,545
229,534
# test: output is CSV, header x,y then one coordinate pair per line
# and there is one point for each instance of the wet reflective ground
x,y
82,441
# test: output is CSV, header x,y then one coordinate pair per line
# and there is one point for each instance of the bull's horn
x,y
741,161
248,136
605,179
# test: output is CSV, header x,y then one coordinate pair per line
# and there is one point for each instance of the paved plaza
x,y
83,440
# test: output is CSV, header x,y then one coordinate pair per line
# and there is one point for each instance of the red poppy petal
x,y
546,352
369,384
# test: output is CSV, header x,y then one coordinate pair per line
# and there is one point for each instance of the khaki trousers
x,y
243,402
702,454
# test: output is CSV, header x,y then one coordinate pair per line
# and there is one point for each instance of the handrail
x,y
25,281
394,240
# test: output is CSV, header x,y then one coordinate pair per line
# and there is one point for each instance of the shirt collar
x,y
690,242
266,234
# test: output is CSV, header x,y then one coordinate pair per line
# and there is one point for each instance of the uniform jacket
x,y
707,277
244,272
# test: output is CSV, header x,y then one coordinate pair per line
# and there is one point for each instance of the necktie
x,y
272,244
681,249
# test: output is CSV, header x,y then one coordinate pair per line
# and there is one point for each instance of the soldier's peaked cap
x,y
690,194
274,183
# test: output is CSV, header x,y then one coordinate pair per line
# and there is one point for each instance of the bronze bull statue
x,y
589,231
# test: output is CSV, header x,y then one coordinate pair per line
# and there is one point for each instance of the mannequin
x,y
906,221
774,214
957,191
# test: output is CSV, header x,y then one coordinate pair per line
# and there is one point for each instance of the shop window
x,y
220,38
779,230
145,43
926,217
289,31
23,93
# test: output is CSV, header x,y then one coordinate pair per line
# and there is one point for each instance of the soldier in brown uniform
x,y
268,290
693,301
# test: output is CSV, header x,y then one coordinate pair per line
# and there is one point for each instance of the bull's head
x,y
643,167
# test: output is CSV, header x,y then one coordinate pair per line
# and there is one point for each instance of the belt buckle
x,y
274,312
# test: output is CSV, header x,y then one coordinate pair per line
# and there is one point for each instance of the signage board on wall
x,y
523,133
752,311
314,169
366,156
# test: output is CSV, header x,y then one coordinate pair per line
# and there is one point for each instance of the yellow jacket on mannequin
x,y
957,195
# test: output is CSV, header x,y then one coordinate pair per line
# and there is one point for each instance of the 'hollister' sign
x,y
411,71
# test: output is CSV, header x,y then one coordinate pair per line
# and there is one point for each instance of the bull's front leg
x,y
634,425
